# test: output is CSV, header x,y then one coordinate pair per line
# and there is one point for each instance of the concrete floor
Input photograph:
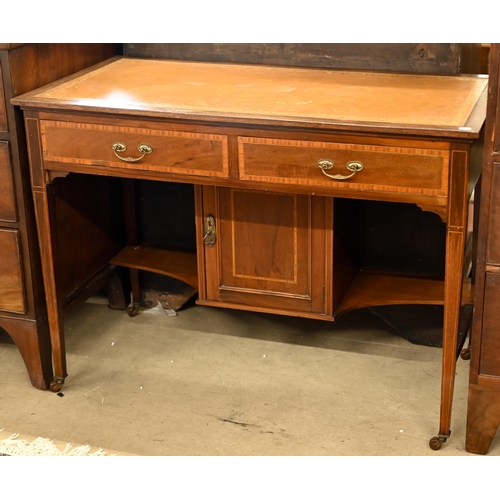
x,y
219,382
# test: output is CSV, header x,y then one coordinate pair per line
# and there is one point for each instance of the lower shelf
x,y
178,264
371,289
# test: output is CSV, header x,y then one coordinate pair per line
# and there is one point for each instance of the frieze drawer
x,y
168,151
352,166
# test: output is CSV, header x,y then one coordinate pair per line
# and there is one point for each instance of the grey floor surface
x,y
211,382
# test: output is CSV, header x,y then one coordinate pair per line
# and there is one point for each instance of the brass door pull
x,y
120,147
352,166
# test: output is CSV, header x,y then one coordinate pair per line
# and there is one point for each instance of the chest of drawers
x,y
483,413
281,160
23,316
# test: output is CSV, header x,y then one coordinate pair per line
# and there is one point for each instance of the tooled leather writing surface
x,y
226,90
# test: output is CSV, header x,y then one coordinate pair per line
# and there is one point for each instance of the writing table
x,y
280,159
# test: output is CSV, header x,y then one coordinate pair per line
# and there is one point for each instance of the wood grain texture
x,y
85,208
31,338
398,169
430,58
276,221
8,210
24,67
270,249
264,93
11,278
371,289
483,412
490,340
186,153
52,61
49,266
3,108
454,260
483,418
37,173
177,264
275,247
494,100
458,192
493,235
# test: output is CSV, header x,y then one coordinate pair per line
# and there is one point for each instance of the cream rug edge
x,y
14,444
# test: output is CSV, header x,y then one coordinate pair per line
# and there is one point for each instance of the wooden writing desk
x,y
280,159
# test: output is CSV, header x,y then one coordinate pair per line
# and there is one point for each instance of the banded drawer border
x,y
336,146
146,132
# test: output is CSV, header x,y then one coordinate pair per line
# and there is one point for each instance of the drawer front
x,y
12,297
172,151
493,236
3,106
385,168
7,199
490,338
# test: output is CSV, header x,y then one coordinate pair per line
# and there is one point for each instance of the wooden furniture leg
x,y
483,418
58,302
129,196
455,245
32,340
54,308
118,290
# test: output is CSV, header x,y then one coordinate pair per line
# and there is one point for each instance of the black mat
x,y
421,324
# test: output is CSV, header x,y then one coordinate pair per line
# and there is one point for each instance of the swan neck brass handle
x,y
352,166
120,147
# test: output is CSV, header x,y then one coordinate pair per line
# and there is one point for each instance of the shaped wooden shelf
x,y
178,264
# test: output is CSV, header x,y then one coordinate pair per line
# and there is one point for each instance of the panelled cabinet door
x,y
267,250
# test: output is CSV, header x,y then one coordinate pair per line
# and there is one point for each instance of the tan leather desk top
x,y
262,94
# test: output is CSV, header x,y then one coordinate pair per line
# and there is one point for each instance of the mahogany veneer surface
x,y
279,235
3,110
11,279
23,312
7,200
483,412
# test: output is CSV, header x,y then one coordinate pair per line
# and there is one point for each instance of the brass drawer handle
x,y
119,147
352,166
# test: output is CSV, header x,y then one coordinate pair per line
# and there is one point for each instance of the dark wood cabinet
x,y
483,414
23,315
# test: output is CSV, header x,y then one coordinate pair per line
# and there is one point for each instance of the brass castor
x,y
133,310
465,354
437,442
55,386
